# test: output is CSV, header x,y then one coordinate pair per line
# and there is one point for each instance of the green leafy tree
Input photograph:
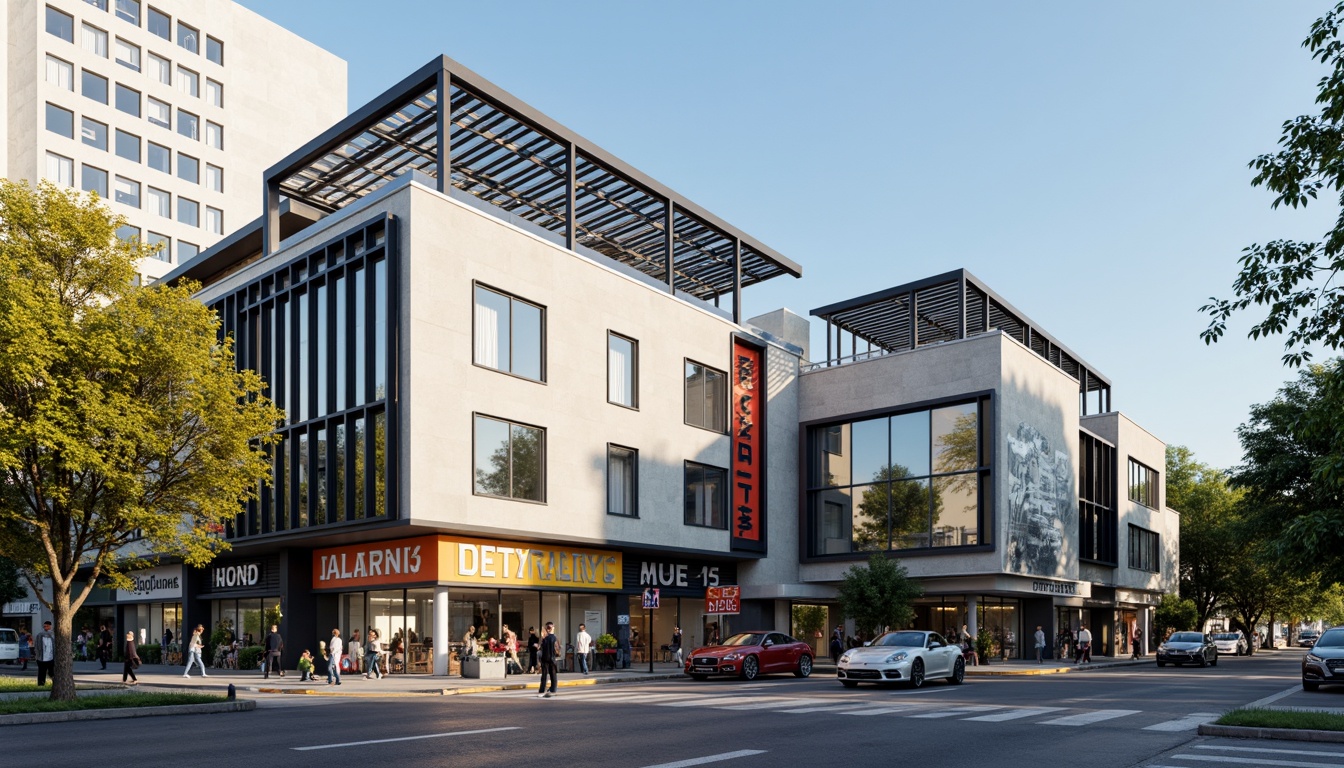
x,y
1296,282
1174,614
515,466
11,587
907,502
879,594
808,620
122,414
1207,504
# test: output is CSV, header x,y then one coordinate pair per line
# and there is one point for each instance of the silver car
x,y
9,645
907,656
1230,642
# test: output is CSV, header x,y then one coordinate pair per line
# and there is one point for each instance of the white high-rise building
x,y
168,109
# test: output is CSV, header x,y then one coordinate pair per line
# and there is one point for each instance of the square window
x,y
706,499
188,125
214,135
127,192
214,220
188,82
60,121
159,157
188,37
162,245
160,69
93,86
99,4
509,459
129,10
128,100
622,471
158,113
622,370
127,54
186,251
214,92
94,134
61,24
214,50
128,146
159,24
60,169
214,177
188,168
188,212
160,203
509,334
706,397
93,40
60,73
126,233
93,180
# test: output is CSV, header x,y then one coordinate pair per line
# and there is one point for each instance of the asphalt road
x,y
1133,716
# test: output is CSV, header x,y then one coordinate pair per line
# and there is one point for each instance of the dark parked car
x,y
1187,648
750,654
1324,663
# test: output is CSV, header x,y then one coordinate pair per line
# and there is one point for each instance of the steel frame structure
x,y
491,145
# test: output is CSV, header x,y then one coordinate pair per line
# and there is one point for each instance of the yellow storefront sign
x,y
509,564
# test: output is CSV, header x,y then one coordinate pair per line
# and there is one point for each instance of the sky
x,y
1087,160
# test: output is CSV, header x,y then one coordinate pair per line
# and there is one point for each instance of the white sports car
x,y
909,656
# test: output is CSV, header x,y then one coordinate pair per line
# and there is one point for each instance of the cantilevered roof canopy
x,y
492,145
953,305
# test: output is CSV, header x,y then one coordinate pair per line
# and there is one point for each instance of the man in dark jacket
x,y
104,645
550,651
275,645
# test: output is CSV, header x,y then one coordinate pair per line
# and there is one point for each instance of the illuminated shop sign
x,y
1061,588
747,430
236,575
376,564
162,583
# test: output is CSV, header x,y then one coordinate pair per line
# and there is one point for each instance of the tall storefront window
x,y
911,480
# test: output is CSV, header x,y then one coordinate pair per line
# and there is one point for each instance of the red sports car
x,y
751,654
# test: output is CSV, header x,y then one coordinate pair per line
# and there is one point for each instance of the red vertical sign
x,y
747,425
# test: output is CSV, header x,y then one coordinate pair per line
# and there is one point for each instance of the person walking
x,y
1137,643
194,647
1084,646
837,644
45,652
583,643
131,660
334,666
549,653
104,645
25,648
356,652
372,655
533,645
675,647
1040,643
82,644
275,647
511,664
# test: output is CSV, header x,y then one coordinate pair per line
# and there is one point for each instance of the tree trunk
x,y
63,673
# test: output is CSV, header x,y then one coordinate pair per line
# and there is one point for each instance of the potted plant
x,y
487,664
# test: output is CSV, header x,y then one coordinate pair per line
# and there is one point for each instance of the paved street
x,y
1132,716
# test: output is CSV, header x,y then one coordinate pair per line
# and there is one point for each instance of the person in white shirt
x,y
334,648
583,642
1084,646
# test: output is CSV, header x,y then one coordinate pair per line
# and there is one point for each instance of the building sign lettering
x,y
237,575
746,427
723,600
677,575
162,583
1068,588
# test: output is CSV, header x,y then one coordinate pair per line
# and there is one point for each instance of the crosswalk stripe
x,y
956,711
1272,751
702,702
1188,723
1013,714
838,709
1087,718
1257,761
775,704
868,712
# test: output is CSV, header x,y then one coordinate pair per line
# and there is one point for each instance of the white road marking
x,y
1013,714
774,704
1188,723
838,709
1313,752
868,712
1087,718
705,702
1257,761
406,738
1271,699
957,711
922,691
709,759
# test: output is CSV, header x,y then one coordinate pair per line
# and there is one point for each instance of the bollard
x,y
232,693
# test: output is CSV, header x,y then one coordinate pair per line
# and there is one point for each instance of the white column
x,y
441,631
972,618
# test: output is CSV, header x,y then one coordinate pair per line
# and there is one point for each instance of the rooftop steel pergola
x,y
953,305
491,145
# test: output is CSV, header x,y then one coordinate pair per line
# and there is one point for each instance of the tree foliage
x,y
1174,614
808,620
11,587
122,415
1208,508
1296,282
879,594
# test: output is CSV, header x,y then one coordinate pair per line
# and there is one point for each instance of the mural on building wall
x,y
1041,515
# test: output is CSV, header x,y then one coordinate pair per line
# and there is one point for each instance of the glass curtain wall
x,y
1001,617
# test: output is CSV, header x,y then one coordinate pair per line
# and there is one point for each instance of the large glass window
x,y
188,168
706,397
127,192
188,37
188,125
60,121
510,459
158,112
911,480
214,134
128,100
1096,500
214,50
214,92
162,245
214,220
186,251
93,180
706,499
60,73
188,212
188,81
1143,484
61,24
160,203
128,54
129,10
159,24
509,334
160,69
622,371
93,40
622,470
60,170
159,157
128,146
1144,550
214,178
93,86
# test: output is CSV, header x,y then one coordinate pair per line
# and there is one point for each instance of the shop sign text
x,y
239,575
508,564
402,561
1068,588
677,575
721,600
153,584
746,424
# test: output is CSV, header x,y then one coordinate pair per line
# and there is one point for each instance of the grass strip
x,y
10,684
105,701
1278,718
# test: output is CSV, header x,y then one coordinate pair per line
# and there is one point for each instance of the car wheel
x,y
1203,662
804,666
701,678
1161,663
849,683
917,673
1308,685
958,672
751,668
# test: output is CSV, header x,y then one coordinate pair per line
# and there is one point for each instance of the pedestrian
x,y
334,666
1137,642
306,666
25,648
676,644
549,653
1084,646
511,663
194,647
837,644
275,647
468,642
372,655
583,642
356,652
533,645
131,660
82,645
1040,643
45,653
104,645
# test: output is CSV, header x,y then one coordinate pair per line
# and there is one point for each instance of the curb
x,y
989,671
462,691
127,712
1283,734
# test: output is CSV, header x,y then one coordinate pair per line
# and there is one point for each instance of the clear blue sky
x,y
1085,159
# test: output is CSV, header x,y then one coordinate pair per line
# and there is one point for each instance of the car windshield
x,y
901,639
1332,639
1226,636
8,636
745,638
1186,637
